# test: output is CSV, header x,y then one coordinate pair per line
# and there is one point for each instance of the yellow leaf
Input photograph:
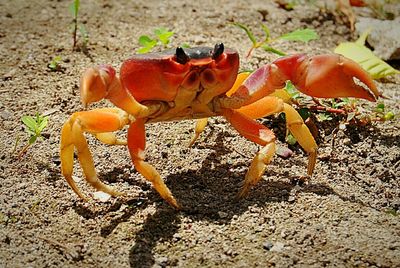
x,y
356,51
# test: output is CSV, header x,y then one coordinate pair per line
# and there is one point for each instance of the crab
x,y
198,83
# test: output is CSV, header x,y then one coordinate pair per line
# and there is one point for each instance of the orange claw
x,y
323,76
329,76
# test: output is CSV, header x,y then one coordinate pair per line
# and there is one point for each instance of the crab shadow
x,y
208,194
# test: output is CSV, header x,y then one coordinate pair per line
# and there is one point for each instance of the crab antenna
x,y
181,55
218,50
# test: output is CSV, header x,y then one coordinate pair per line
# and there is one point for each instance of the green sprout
x,y
380,112
162,38
74,10
78,27
55,65
34,126
324,117
299,35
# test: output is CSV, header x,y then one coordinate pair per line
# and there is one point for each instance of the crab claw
x,y
328,76
95,83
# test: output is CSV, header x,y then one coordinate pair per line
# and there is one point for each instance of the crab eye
x,y
181,56
218,50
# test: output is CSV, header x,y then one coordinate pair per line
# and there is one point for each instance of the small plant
x,y
34,126
300,35
76,26
162,38
55,65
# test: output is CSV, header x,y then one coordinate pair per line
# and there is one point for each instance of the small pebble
x,y
268,245
278,247
222,214
101,196
75,178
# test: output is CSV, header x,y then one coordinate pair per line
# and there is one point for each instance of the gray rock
x,y
384,36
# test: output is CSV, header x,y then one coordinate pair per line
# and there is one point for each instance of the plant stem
x,y
75,21
23,151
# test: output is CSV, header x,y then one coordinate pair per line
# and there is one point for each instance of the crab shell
x,y
159,76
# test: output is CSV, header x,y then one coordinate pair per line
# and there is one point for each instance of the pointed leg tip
x,y
175,204
243,193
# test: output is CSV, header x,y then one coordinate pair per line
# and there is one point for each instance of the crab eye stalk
x,y
218,50
181,56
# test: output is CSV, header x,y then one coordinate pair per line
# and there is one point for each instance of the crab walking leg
x,y
110,138
264,107
302,134
259,134
273,105
72,136
136,145
199,127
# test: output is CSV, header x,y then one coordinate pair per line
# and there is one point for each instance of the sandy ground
x,y
346,216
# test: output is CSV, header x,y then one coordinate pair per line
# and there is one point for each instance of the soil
x,y
345,216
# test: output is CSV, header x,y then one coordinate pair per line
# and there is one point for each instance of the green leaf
x,y
291,139
273,50
304,113
143,50
302,35
266,31
84,33
248,32
147,44
356,51
292,90
42,124
389,116
380,108
324,117
30,122
146,41
32,139
350,116
163,34
74,8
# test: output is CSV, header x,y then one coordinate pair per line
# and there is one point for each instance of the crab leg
x,y
136,145
241,120
72,136
199,127
259,134
294,122
110,138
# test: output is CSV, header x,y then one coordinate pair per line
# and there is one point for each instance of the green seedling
x,y
55,65
34,125
299,35
74,10
78,27
162,38
382,114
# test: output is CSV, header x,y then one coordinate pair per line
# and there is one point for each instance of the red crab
x,y
197,83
